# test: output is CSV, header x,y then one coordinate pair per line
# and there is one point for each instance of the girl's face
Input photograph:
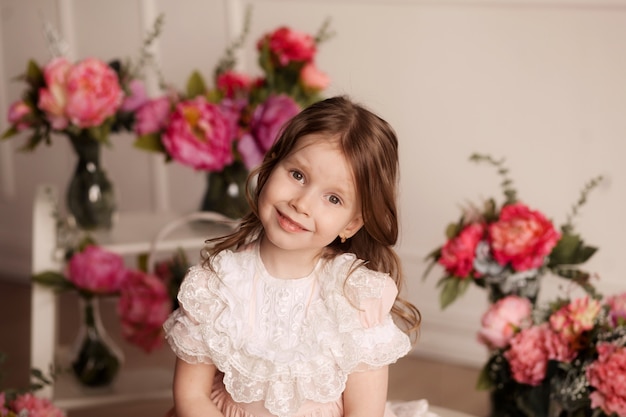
x,y
310,198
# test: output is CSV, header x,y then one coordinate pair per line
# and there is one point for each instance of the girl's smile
x,y
289,225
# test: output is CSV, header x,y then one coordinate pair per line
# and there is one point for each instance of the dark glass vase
x,y
97,360
90,196
226,191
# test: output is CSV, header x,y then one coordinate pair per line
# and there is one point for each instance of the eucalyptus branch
x,y
228,61
568,226
510,193
324,34
145,55
57,46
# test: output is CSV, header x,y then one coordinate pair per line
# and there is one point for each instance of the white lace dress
x,y
284,347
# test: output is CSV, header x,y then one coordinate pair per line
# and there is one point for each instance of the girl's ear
x,y
354,226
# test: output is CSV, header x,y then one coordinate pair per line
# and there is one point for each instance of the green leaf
x,y
570,250
54,280
452,288
484,380
34,75
12,131
150,142
196,85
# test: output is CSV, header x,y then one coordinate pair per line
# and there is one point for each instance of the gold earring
x,y
343,238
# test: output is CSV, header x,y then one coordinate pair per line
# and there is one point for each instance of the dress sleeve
x,y
183,328
373,310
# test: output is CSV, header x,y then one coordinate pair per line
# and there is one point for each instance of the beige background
x,y
542,83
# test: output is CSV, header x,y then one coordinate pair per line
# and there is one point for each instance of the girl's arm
x,y
366,393
192,390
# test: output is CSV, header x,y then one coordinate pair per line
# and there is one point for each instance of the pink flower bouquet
x,y
508,248
235,122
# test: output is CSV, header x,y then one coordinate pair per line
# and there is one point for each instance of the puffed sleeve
x,y
183,328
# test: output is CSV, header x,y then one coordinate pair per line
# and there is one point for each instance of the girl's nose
x,y
301,202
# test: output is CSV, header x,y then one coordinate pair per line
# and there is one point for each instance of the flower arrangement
x,y
507,248
24,402
568,359
238,118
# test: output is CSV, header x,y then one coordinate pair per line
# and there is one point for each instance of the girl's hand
x,y
366,393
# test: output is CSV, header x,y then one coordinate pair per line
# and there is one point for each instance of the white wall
x,y
542,83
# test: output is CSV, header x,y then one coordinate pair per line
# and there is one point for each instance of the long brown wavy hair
x,y
370,146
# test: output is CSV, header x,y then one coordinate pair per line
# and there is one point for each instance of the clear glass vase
x,y
226,191
90,196
97,359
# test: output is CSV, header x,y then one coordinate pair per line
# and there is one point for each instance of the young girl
x,y
297,313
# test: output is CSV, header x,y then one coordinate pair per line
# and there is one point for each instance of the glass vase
x,y
90,196
96,360
226,191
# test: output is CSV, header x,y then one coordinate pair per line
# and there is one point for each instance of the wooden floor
x,y
442,384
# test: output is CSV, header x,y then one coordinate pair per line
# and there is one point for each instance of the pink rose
x,y
312,79
53,97
458,253
571,320
19,114
267,121
96,270
288,45
522,237
32,406
152,116
143,307
607,375
199,135
617,309
232,84
94,93
503,319
136,98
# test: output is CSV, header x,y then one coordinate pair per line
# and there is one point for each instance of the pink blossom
x,y
608,376
136,98
458,253
312,79
617,309
143,307
3,410
152,116
571,320
54,96
288,45
94,93
96,270
32,406
232,83
19,112
522,237
267,121
503,319
199,135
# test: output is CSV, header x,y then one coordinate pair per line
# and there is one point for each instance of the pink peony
x,y
199,135
267,121
143,307
522,237
607,375
19,112
503,319
152,116
571,320
457,254
53,98
96,270
136,98
233,83
312,79
32,406
94,93
617,309
288,45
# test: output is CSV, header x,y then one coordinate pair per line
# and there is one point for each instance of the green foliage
x,y
54,280
451,289
510,193
150,142
195,85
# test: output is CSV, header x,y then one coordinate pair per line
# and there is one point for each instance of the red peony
x,y
458,253
96,270
288,45
522,237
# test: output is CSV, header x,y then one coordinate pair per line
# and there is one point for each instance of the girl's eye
x,y
297,175
334,199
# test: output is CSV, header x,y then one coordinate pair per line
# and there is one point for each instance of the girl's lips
x,y
289,225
